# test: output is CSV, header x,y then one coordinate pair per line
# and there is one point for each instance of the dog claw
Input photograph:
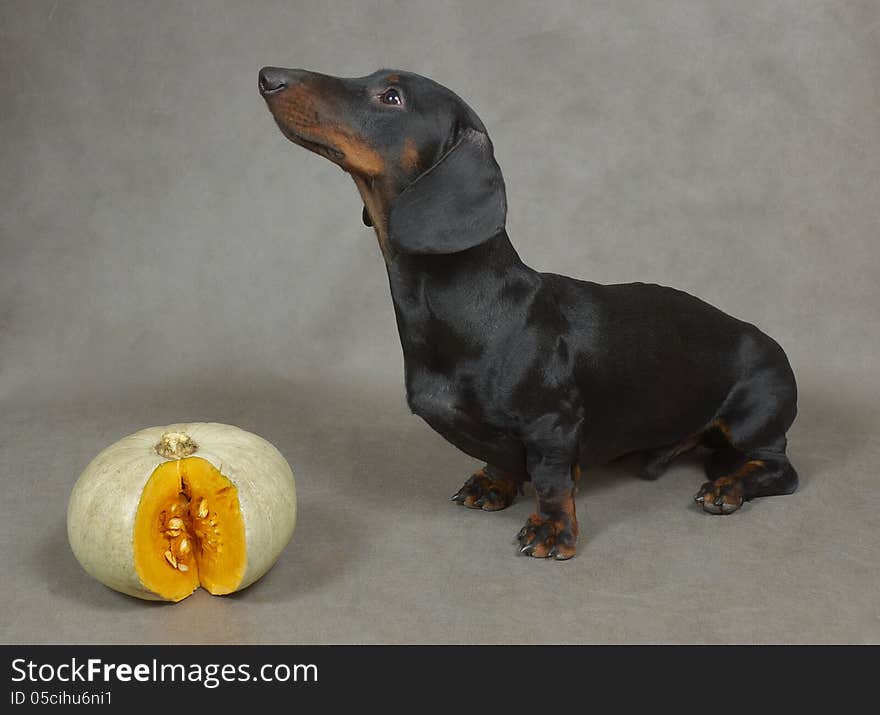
x,y
723,508
559,556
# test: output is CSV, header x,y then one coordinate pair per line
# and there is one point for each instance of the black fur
x,y
536,373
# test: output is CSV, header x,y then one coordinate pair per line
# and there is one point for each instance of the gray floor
x,y
166,257
380,555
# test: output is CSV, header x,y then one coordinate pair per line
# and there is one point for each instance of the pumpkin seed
x,y
203,508
169,557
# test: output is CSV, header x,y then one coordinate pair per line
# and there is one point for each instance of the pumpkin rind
x,y
104,503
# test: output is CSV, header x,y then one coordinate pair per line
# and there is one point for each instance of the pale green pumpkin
x,y
167,509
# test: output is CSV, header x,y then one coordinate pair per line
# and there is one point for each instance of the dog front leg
x,y
552,531
490,489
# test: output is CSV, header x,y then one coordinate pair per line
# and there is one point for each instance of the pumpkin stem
x,y
176,445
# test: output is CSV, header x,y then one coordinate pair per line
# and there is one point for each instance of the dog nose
x,y
273,79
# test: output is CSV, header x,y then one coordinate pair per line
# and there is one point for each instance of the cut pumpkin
x,y
189,531
180,507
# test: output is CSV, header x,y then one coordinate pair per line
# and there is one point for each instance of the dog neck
x,y
376,196
448,300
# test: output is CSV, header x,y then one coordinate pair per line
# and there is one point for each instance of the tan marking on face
x,y
409,157
392,78
298,111
359,157
294,107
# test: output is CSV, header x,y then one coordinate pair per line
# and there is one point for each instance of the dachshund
x,y
538,375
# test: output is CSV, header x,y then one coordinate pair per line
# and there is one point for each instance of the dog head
x,y
419,155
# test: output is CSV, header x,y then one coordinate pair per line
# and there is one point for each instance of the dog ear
x,y
456,204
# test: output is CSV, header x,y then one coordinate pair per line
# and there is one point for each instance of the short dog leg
x,y
723,461
758,475
553,530
749,434
489,489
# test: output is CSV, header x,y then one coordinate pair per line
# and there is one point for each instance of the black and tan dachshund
x,y
538,375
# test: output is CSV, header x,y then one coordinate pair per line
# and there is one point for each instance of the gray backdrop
x,y
168,256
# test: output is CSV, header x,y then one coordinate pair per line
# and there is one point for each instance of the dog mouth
x,y
325,150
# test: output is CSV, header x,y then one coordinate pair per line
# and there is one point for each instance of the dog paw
x,y
483,492
547,538
723,496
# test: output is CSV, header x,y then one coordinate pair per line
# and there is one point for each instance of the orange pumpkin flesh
x,y
189,531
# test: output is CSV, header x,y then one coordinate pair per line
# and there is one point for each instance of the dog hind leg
x,y
752,462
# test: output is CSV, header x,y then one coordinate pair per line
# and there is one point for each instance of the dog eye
x,y
391,96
